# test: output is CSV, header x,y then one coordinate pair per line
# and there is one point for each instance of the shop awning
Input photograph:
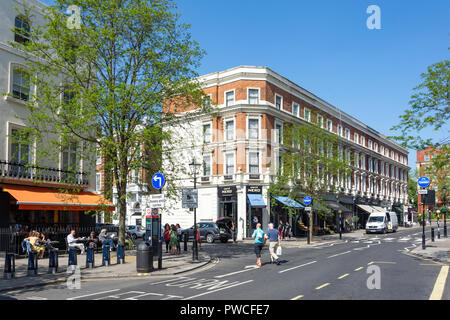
x,y
36,198
337,206
288,202
366,208
378,209
256,200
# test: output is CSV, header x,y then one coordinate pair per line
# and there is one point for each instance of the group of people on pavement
x,y
172,237
273,236
284,230
91,241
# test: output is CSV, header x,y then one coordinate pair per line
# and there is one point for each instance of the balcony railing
x,y
14,170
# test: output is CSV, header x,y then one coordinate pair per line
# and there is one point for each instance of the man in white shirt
x,y
72,242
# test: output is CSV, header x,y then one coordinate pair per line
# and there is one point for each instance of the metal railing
x,y
15,170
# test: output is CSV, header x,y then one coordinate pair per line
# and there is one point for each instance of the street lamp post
x,y
194,167
444,192
340,224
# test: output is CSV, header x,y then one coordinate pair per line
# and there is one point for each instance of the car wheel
x,y
210,238
133,236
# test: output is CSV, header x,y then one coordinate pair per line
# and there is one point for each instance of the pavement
x,y
171,265
439,250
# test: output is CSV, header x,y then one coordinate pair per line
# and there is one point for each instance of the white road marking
x,y
36,298
92,294
204,293
171,280
118,296
339,254
297,267
248,268
144,294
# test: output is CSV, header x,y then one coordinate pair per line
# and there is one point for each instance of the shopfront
x,y
227,203
255,208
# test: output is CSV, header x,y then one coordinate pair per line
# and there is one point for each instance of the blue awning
x,y
288,202
256,200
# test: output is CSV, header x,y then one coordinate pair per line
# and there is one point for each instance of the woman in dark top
x,y
166,236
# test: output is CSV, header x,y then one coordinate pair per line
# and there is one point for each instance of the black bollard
x,y
53,261
10,266
90,257
72,257
120,254
432,234
32,264
106,259
185,241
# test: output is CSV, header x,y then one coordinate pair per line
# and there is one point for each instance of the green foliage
x,y
412,189
312,163
429,107
105,84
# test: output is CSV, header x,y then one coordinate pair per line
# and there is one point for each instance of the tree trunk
x,y
122,194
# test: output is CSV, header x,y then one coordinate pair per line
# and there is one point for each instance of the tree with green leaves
x,y
312,164
412,189
102,84
429,107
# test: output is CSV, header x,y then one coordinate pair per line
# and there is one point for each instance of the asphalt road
x,y
338,271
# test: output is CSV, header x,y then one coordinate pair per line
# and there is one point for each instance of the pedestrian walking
x,y
274,240
233,231
258,235
179,238
281,230
166,236
288,230
199,239
173,243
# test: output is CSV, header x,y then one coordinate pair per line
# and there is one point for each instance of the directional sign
x,y
423,182
189,198
307,200
158,180
156,201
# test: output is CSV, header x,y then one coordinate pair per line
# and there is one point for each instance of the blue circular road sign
x,y
423,182
158,180
307,200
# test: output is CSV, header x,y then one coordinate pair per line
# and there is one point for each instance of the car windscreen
x,y
376,219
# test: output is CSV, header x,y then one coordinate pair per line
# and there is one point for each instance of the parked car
x,y
209,231
136,231
382,222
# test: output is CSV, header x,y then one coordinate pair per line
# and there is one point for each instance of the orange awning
x,y
36,198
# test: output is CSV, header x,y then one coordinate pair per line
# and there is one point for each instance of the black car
x,y
209,231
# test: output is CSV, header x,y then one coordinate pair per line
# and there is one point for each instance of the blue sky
x,y
325,47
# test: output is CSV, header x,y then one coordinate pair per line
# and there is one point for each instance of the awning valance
x,y
337,206
37,198
256,200
288,202
378,209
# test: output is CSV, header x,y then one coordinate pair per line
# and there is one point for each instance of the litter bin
x,y
144,258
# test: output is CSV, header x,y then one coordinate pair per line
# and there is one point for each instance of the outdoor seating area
x,y
21,240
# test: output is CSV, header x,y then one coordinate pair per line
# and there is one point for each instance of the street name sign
x,y
307,208
189,198
156,201
422,191
307,200
158,180
423,182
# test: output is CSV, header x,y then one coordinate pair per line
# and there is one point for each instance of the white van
x,y
382,222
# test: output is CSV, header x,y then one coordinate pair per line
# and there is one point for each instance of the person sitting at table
x,y
92,240
72,242
35,244
105,240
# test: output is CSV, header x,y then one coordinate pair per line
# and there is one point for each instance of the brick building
x,y
240,145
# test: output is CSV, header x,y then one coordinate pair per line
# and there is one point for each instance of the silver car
x,y
136,231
